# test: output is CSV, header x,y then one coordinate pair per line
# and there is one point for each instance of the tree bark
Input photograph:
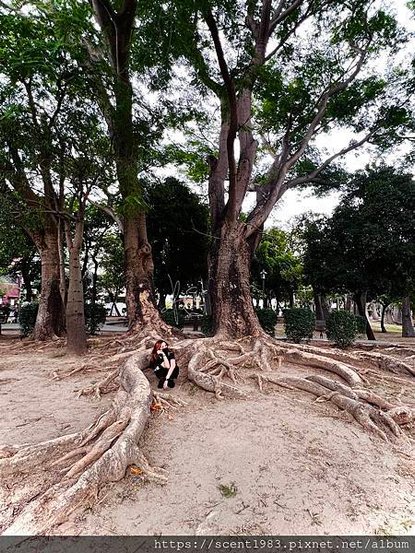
x,y
50,317
407,324
75,313
322,311
360,299
232,308
382,318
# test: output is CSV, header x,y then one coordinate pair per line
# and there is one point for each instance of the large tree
x,y
111,74
367,247
283,73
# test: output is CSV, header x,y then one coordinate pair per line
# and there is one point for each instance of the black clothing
x,y
161,372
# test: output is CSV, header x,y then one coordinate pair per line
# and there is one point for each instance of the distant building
x,y
9,291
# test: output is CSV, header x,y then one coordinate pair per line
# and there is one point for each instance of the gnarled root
x,y
358,402
209,367
88,459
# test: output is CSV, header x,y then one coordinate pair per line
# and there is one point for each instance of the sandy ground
x,y
278,463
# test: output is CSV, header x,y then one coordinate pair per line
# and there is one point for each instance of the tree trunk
x,y
360,299
75,314
94,291
382,318
407,324
140,299
50,317
141,306
229,262
319,303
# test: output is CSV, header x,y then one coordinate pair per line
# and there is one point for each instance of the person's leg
x,y
171,382
161,374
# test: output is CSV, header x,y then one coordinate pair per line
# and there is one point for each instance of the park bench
x,y
320,326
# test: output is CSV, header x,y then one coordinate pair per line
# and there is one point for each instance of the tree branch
x,y
231,95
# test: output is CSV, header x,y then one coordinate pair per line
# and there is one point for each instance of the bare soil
x,y
277,463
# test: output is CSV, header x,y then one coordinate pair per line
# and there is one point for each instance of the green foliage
x,y
177,225
369,242
27,317
95,315
342,328
267,319
173,318
275,254
299,324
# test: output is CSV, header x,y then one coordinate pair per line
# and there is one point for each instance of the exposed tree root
x,y
73,468
77,465
381,417
105,386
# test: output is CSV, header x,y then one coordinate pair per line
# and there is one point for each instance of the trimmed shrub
x,y
169,317
95,315
267,319
342,328
27,318
299,324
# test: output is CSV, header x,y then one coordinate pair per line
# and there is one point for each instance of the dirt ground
x,y
277,463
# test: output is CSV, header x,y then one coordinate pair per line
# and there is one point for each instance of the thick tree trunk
x,y
407,324
360,299
140,299
229,277
75,315
50,318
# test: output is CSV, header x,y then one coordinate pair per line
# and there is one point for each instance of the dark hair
x,y
155,352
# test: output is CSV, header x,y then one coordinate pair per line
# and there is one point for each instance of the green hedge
x,y
342,328
299,324
267,319
27,318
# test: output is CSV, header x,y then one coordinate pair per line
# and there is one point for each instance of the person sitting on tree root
x,y
163,363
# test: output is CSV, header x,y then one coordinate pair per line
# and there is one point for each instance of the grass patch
x,y
228,490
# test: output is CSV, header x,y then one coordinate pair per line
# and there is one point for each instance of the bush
x,y
267,319
342,328
168,316
27,318
95,315
299,324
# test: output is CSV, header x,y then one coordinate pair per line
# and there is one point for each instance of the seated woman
x,y
163,363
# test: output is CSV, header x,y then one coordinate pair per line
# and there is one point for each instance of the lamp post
x,y
263,274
